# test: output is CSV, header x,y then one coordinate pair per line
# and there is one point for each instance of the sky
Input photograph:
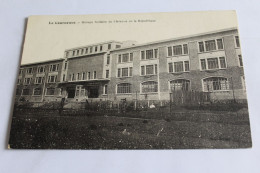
x,y
47,37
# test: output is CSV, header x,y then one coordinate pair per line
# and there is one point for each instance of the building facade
x,y
209,62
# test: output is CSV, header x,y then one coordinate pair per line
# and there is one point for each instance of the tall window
x,y
215,84
213,63
119,72
107,73
119,58
169,51
78,77
72,77
220,44
64,77
96,49
240,60
131,57
142,70
83,76
150,86
37,91
105,89
123,88
142,55
237,41
180,84
211,45
179,66
50,91
124,72
86,51
170,67
90,50
185,49
108,59
149,54
100,48
94,75
89,76
203,64
125,57
201,46
178,50
222,62
109,46
149,69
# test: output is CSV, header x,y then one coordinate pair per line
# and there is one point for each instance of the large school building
x,y
208,62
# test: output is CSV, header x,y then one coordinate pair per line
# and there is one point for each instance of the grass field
x,y
183,130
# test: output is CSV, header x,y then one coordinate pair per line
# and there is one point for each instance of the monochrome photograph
x,y
131,81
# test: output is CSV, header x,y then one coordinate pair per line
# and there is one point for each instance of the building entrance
x,y
93,92
71,92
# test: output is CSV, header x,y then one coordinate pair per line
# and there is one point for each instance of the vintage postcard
x,y
131,81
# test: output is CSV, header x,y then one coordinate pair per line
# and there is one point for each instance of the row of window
x,y
84,76
209,85
38,80
41,69
37,91
149,54
213,63
173,67
89,50
178,50
180,66
211,45
125,72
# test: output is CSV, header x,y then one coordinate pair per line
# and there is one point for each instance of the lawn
x,y
143,130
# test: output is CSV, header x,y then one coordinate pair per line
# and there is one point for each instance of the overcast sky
x,y
45,41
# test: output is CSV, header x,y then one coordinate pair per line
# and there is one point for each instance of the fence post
x,y
170,103
118,107
233,90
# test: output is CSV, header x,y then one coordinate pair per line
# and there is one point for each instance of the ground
x,y
138,130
